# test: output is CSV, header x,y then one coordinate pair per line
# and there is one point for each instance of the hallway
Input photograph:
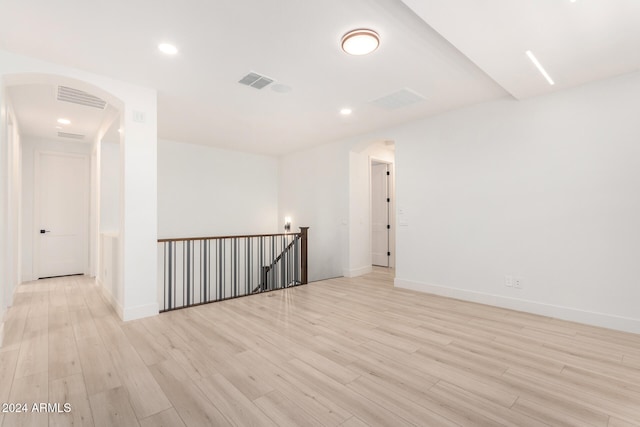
x,y
338,352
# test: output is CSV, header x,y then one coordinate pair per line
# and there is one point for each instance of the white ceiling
x,y
453,52
577,42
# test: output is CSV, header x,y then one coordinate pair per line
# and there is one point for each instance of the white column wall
x,y
139,208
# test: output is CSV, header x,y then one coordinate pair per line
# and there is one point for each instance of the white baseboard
x,y
106,293
141,311
355,272
625,324
129,313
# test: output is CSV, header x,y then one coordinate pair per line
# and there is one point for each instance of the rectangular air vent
x,y
255,80
70,135
75,96
399,99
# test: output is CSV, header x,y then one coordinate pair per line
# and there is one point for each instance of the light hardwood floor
x,y
349,352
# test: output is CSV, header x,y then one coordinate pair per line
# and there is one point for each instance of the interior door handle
x,y
45,231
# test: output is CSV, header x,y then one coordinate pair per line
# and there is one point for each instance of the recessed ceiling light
x,y
360,42
539,67
167,48
346,111
64,121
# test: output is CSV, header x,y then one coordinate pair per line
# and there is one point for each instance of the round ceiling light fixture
x,y
360,42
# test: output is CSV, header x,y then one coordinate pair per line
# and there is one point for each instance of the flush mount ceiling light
x,y
167,48
360,42
346,111
64,121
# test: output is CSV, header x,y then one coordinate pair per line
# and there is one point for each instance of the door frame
x,y
392,210
36,208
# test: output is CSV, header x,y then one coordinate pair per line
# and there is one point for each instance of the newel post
x,y
303,254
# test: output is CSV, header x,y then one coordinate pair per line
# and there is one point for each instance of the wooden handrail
x,y
182,239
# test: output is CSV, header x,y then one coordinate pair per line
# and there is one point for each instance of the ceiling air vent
x,y
255,80
399,99
75,96
70,135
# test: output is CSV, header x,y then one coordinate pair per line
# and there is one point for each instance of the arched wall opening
x,y
135,295
37,142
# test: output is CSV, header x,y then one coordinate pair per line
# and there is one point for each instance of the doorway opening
x,y
61,214
362,160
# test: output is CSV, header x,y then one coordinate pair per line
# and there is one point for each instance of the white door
x,y
62,214
380,214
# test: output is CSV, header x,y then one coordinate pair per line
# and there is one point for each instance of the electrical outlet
x,y
508,281
517,282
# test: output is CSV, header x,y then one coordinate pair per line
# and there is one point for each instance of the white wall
x,y
110,173
29,147
107,132
10,200
5,290
547,189
109,272
15,194
314,192
15,197
204,191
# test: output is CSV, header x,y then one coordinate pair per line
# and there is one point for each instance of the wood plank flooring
x,y
341,352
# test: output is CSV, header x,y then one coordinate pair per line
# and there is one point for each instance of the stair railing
x,y
200,270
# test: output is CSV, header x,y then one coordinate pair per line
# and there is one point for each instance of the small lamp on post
x,y
287,224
